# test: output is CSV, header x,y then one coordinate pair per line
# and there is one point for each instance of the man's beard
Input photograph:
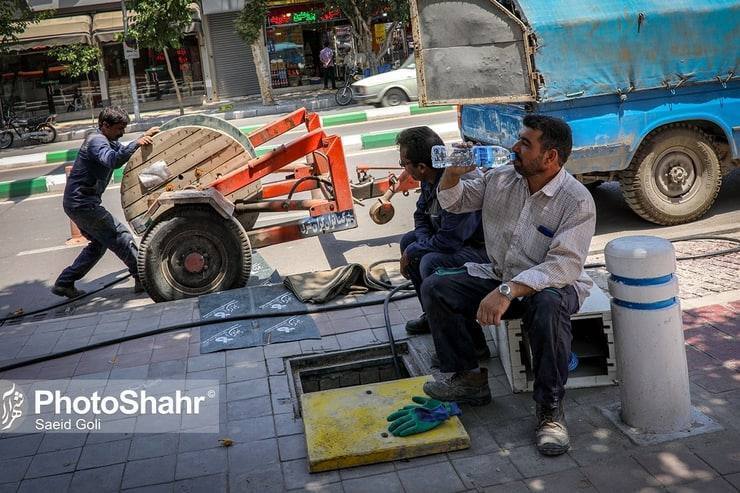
x,y
532,169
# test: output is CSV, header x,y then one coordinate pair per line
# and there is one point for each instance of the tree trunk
x,y
386,43
90,98
174,81
263,76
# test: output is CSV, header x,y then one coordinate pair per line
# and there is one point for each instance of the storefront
x,y
34,83
295,36
153,82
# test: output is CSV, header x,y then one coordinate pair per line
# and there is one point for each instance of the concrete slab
x,y
700,423
347,427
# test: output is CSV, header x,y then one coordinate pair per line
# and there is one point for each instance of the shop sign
x,y
278,17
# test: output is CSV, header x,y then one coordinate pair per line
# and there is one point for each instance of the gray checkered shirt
x,y
540,240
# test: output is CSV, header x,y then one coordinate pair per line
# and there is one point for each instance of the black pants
x,y
451,303
329,76
105,232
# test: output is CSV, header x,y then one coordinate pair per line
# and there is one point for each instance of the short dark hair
x,y
556,134
418,142
113,115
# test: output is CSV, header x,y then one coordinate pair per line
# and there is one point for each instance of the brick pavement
x,y
269,452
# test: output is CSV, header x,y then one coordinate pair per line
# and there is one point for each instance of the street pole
x,y
131,74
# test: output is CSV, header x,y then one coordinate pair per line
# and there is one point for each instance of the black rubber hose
x,y
389,328
692,257
198,323
66,302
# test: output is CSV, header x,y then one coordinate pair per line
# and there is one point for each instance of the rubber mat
x,y
270,298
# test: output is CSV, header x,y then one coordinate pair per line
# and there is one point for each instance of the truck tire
x,y
674,177
191,251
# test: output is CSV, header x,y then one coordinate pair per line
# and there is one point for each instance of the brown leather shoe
x,y
552,434
70,292
464,388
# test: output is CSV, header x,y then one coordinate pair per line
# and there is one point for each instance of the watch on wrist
x,y
505,290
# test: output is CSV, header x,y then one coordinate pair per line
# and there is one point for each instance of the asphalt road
x,y
341,130
34,230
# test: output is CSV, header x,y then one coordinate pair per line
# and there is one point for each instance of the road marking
x,y
49,249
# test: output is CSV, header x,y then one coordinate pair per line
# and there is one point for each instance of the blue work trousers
x,y
423,266
105,232
452,304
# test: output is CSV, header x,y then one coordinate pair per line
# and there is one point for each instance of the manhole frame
x,y
409,357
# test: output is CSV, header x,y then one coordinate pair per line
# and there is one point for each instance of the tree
x,y
249,25
159,24
79,59
361,13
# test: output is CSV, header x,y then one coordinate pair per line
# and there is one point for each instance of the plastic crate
x,y
593,342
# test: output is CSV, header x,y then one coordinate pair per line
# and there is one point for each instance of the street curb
x,y
66,155
376,140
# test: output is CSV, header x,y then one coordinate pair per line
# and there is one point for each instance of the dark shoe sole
x,y
473,401
64,293
552,450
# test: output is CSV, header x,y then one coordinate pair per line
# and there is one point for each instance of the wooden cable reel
x,y
190,250
197,149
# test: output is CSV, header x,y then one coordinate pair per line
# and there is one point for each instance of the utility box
x,y
593,343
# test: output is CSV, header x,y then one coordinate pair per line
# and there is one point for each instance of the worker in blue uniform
x,y
99,155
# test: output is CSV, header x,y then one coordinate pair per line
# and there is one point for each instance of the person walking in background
x,y
326,57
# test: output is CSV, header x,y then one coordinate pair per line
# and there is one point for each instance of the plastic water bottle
x,y
445,156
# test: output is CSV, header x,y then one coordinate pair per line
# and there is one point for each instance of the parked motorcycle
x,y
344,94
40,129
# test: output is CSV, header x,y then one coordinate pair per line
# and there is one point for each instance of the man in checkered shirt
x,y
538,222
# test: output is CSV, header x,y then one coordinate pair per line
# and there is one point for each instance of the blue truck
x,y
649,87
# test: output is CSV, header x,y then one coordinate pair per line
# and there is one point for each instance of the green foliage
x,y
251,19
79,59
15,16
365,10
159,24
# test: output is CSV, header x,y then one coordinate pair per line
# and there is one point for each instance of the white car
x,y
390,88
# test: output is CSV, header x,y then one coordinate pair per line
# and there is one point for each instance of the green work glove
x,y
426,415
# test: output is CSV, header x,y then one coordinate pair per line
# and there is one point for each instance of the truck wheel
x,y
394,97
193,251
674,177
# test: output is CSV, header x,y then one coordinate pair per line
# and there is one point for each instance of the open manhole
x,y
349,368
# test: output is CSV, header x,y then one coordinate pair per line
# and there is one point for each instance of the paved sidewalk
x,y
269,443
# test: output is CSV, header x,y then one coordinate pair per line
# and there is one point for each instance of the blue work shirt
x,y
440,231
93,169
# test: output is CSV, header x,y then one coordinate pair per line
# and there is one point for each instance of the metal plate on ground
x,y
347,427
262,273
261,299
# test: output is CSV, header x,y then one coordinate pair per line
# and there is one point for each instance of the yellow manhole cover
x,y
347,427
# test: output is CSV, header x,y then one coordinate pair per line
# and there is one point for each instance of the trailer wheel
x,y
674,177
193,251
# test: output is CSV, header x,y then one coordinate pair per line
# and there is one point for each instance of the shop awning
x,y
55,32
107,26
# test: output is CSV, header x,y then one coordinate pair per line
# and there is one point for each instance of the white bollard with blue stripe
x,y
648,334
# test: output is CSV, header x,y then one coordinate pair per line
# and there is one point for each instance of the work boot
x,y
552,434
464,388
481,353
418,326
70,292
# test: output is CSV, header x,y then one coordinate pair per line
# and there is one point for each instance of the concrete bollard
x,y
648,334
77,237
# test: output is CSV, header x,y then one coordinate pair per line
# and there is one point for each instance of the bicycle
x,y
344,94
